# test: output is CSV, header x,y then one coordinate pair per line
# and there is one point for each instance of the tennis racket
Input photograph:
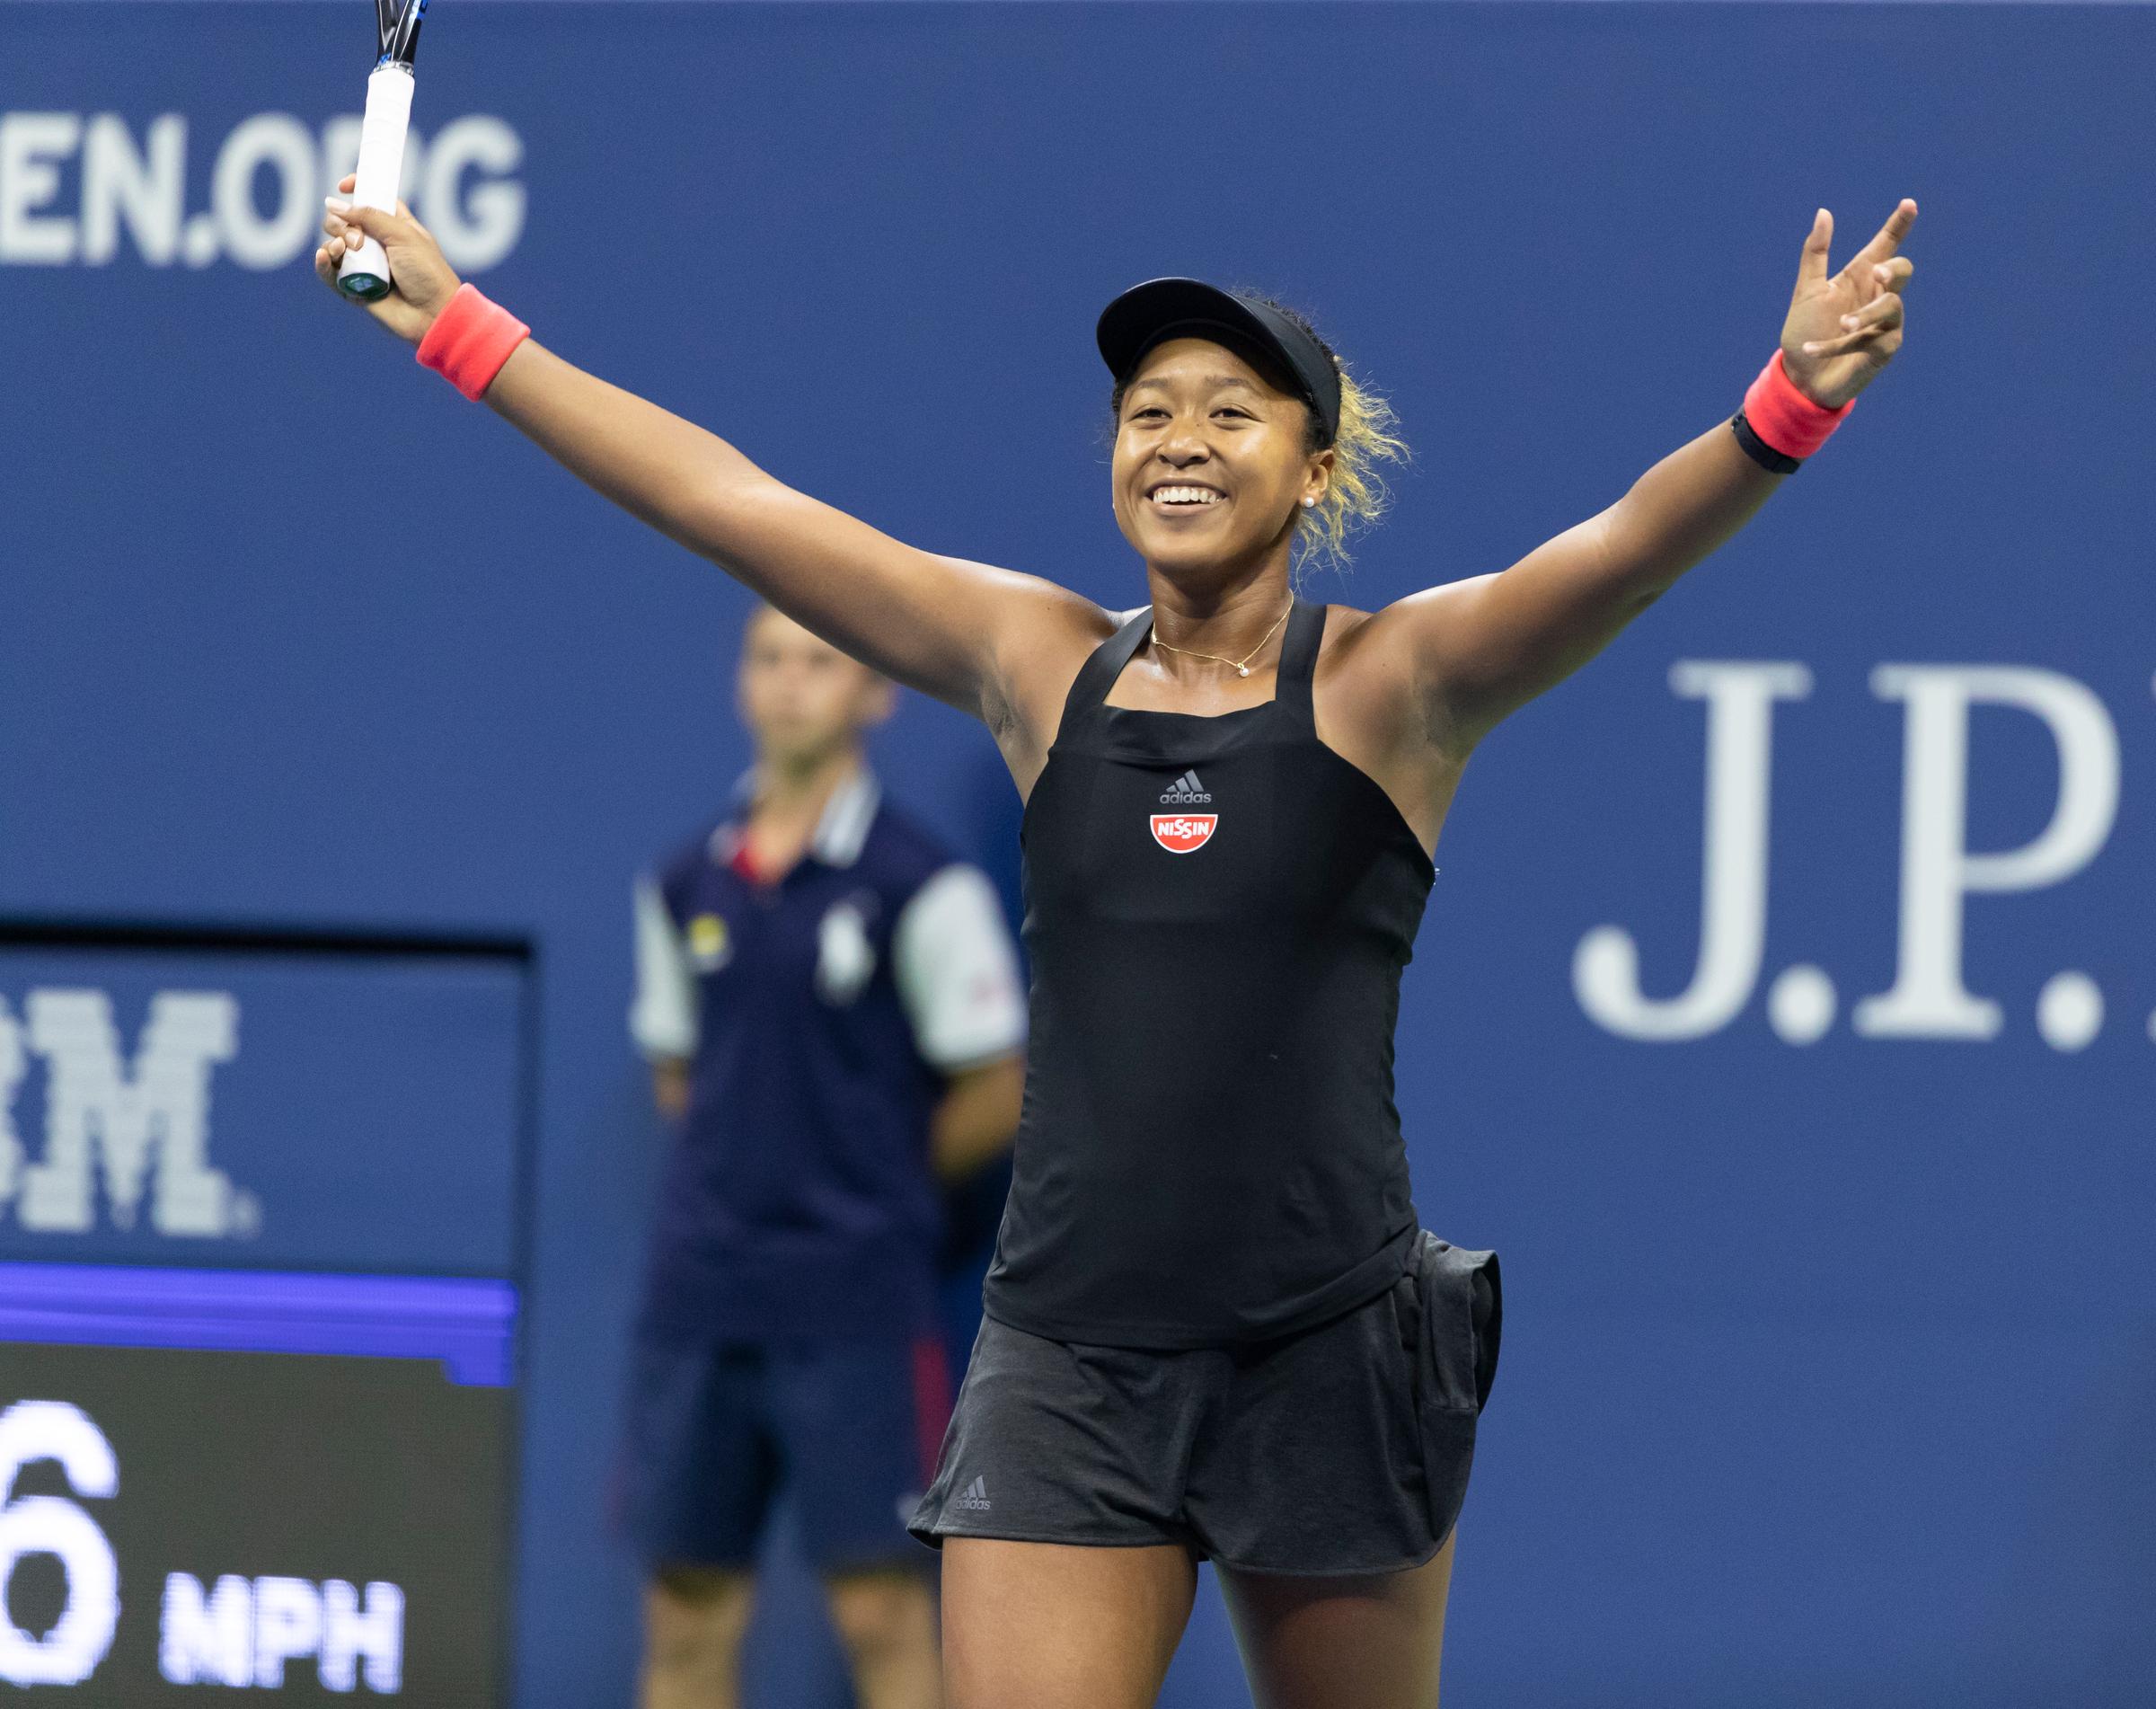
x,y
364,273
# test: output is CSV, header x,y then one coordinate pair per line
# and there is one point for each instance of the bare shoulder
x,y
1379,669
1037,659
1354,690
1410,622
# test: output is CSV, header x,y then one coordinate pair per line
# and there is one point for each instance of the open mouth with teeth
x,y
1185,497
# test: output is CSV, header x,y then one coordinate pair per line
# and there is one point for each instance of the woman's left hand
x,y
1841,331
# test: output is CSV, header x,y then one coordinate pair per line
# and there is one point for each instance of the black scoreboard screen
x,y
258,1319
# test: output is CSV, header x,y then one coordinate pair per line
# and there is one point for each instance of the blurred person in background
x,y
831,1006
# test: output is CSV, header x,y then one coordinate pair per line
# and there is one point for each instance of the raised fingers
x,y
1811,265
1889,237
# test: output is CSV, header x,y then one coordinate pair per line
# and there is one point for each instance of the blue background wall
x,y
1830,1372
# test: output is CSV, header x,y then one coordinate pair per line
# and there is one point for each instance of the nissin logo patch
x,y
1180,833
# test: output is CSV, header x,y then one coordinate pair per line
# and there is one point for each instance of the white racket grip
x,y
381,159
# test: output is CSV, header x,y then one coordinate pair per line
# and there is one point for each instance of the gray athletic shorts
x,y
1342,1449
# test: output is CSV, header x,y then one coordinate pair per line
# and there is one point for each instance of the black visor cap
x,y
1162,308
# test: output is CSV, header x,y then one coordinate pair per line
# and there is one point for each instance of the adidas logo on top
x,y
973,1498
1185,790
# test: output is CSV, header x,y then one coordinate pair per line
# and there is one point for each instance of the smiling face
x,y
1212,461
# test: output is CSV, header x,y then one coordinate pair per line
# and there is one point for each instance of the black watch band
x,y
1759,450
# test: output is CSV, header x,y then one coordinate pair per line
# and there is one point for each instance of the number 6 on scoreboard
x,y
52,1525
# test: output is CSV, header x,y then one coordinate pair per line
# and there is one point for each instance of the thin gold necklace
x,y
1241,668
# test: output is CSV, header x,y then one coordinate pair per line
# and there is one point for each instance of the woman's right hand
x,y
421,281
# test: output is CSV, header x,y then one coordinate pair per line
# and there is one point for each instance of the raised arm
x,y
929,622
943,626
1480,648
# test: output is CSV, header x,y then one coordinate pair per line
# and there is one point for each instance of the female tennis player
x,y
1213,1327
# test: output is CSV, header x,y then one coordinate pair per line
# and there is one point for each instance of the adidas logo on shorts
x,y
973,1498
1185,792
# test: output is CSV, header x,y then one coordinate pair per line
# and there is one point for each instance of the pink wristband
x,y
1784,419
470,340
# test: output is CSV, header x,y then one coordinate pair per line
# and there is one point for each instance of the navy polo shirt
x,y
819,1016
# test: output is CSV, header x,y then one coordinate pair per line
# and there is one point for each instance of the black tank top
x,y
1218,909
